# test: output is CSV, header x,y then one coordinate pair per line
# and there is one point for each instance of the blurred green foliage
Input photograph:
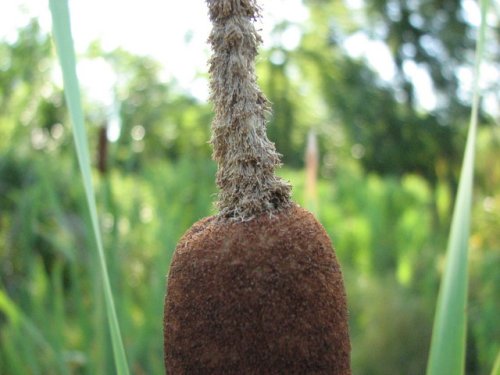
x,y
387,183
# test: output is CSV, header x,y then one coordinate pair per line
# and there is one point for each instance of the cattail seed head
x,y
257,288
263,296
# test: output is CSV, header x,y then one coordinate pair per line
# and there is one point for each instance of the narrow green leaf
x,y
18,319
496,366
8,308
447,353
65,50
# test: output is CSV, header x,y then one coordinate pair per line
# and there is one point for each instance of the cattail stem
x,y
246,158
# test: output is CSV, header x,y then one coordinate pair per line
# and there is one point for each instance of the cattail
x,y
312,163
255,289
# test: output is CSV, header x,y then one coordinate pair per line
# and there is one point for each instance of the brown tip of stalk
x,y
264,296
246,158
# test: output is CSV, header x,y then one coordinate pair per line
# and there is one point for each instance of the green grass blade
x,y
17,318
447,353
65,50
496,366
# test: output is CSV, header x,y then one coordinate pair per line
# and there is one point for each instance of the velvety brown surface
x,y
258,297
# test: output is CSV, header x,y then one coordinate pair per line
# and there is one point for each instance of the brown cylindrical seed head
x,y
264,296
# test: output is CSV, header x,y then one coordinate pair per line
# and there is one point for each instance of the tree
x,y
385,119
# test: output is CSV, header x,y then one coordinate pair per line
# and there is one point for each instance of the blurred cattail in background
x,y
312,165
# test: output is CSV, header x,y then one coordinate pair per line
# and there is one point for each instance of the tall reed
x,y
447,353
61,24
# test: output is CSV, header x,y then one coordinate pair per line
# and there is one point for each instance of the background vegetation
x,y
388,176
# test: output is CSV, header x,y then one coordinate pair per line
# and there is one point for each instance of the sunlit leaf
x,y
65,50
447,354
496,366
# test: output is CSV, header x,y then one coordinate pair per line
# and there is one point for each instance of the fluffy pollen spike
x,y
246,158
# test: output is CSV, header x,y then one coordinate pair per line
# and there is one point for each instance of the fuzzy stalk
x,y
246,158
